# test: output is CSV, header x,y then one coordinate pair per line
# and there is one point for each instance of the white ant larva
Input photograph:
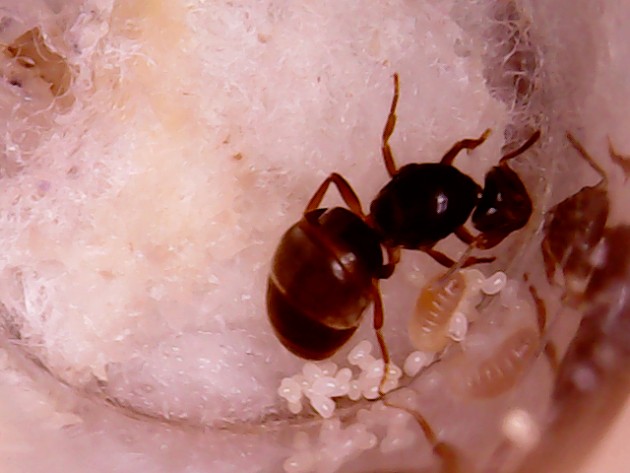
x,y
504,368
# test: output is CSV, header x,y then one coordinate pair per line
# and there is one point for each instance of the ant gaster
x,y
327,267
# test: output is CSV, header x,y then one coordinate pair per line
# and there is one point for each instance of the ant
x,y
574,228
327,267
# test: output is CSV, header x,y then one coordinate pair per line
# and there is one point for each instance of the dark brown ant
x,y
327,267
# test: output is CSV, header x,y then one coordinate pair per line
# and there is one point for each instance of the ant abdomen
x,y
319,284
436,304
501,371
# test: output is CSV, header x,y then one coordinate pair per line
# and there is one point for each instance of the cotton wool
x,y
177,167
154,152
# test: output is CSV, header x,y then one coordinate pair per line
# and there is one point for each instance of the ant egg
x,y
360,352
501,371
290,390
371,392
375,369
354,391
429,324
416,361
494,284
295,407
311,371
323,405
521,429
397,440
327,386
458,327
360,436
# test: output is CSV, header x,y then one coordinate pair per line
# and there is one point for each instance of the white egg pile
x,y
396,422
321,383
332,448
336,445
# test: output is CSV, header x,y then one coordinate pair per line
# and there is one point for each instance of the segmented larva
x,y
501,371
429,324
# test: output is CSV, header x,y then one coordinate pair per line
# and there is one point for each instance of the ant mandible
x,y
326,269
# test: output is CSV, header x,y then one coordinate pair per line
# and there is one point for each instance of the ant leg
x,y
388,157
541,314
619,159
549,261
378,326
541,308
345,189
469,143
464,235
587,157
448,262
521,149
393,257
447,454
552,357
480,241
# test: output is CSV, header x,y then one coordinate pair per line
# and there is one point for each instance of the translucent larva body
x,y
438,300
501,371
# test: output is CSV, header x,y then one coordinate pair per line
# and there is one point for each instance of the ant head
x,y
504,207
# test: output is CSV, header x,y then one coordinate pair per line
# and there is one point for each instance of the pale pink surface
x,y
138,224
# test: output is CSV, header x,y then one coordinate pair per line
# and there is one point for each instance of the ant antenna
x,y
521,149
460,262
